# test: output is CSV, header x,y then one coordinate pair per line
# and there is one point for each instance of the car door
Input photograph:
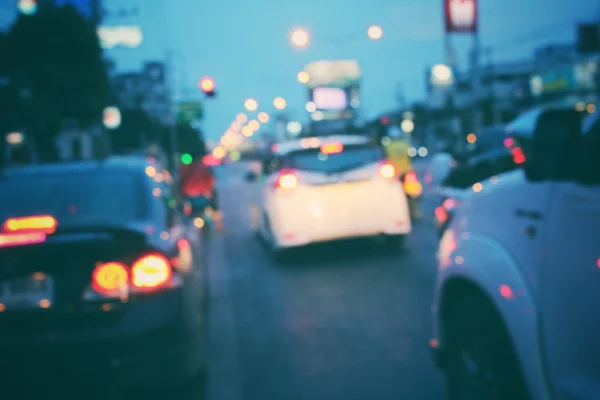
x,y
570,278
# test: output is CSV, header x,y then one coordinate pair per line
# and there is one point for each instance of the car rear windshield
x,y
351,157
76,198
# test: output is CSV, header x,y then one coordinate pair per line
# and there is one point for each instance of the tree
x,y
137,129
189,140
55,64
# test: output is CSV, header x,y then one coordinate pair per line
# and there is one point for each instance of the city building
x,y
146,90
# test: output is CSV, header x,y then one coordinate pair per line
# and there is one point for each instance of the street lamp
x,y
27,7
375,32
299,38
263,117
279,103
241,118
303,77
251,104
247,131
407,126
111,117
441,75
15,138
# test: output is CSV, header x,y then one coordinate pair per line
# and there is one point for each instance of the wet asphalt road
x,y
346,321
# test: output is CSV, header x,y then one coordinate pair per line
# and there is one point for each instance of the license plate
x,y
31,292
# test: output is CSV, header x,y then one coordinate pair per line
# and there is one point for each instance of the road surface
x,y
346,321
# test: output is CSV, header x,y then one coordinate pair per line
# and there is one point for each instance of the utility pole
x,y
170,86
96,8
400,97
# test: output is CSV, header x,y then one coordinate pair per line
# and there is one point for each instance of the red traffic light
x,y
207,85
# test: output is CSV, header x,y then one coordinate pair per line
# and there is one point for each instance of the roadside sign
x,y
189,111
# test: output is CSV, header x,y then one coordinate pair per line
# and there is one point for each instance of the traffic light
x,y
207,85
186,159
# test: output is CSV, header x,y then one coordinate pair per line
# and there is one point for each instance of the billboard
x,y
461,16
326,98
333,89
333,73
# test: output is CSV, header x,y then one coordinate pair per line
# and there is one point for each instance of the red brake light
x,y
21,239
518,155
387,171
332,148
429,178
410,177
37,223
441,215
449,203
151,272
286,180
110,277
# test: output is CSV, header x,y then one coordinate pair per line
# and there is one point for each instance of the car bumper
x,y
293,237
92,363
165,350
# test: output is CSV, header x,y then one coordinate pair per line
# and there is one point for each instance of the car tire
x,y
395,243
479,358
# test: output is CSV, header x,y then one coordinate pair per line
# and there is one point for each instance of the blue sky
x,y
244,45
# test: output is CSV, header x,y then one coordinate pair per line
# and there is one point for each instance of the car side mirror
x,y
251,176
552,151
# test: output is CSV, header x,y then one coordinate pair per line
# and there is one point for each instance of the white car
x,y
517,300
327,188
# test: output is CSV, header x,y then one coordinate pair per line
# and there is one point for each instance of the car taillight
x,y
410,177
110,278
286,180
441,214
449,204
518,155
21,239
150,272
387,171
332,148
116,279
36,223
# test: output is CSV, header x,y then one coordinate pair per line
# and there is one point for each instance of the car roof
x,y
113,163
291,146
525,123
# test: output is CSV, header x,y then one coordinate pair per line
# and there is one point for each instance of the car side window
x,y
271,166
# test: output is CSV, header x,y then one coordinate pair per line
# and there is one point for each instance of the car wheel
x,y
480,362
395,243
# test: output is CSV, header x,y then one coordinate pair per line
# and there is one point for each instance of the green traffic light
x,y
186,159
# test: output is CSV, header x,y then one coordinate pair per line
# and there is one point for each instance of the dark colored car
x,y
490,157
99,277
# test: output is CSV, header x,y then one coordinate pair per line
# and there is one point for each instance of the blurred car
x,y
488,161
516,300
327,188
98,280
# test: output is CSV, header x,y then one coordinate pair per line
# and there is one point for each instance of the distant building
x,y
146,90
